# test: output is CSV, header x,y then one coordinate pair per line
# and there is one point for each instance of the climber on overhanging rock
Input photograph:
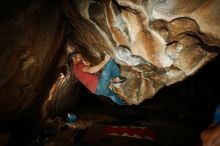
x,y
86,74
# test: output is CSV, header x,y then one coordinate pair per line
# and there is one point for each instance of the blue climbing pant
x,y
110,70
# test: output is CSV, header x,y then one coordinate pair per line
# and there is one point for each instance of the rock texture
x,y
30,35
157,43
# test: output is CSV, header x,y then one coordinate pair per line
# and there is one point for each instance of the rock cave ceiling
x,y
155,42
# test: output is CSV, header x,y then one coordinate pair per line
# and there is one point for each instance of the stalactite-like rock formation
x,y
157,43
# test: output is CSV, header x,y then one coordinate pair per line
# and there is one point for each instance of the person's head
x,y
75,57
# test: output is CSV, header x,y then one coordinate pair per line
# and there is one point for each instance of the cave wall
x,y
30,35
156,43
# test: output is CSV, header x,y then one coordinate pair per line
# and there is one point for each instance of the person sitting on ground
x,y
97,85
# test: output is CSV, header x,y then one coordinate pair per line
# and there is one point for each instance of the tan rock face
x,y
164,41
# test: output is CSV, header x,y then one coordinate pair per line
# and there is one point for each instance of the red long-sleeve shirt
x,y
89,80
